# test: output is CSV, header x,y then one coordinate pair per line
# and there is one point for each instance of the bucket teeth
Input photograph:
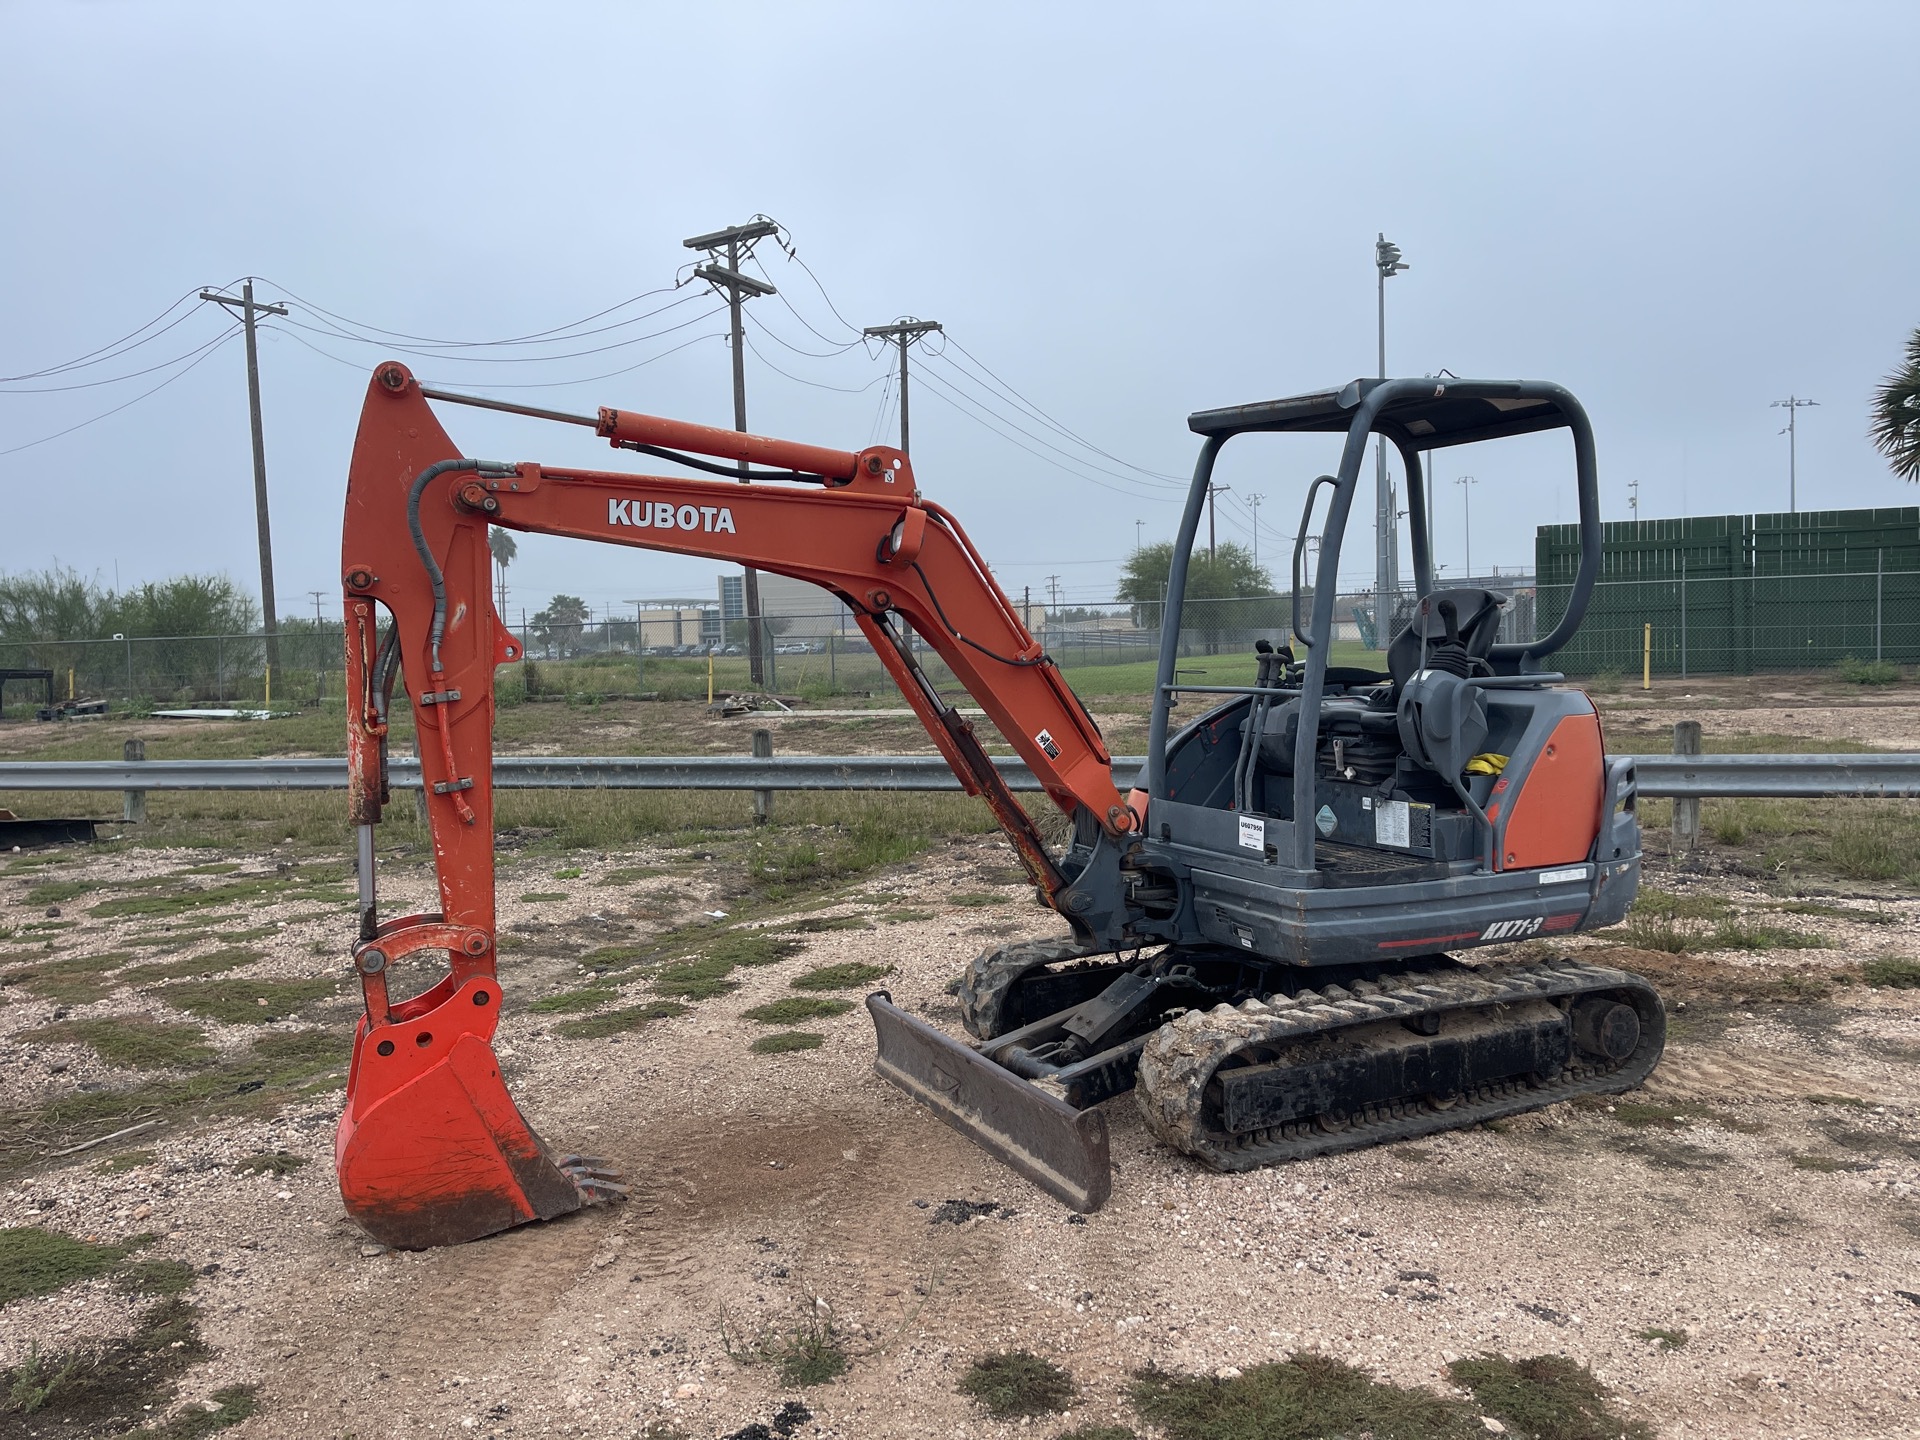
x,y
597,1180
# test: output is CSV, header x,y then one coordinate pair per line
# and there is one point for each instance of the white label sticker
x,y
1563,877
1390,825
1253,832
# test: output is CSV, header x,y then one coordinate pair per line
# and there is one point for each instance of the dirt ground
x,y
1760,1199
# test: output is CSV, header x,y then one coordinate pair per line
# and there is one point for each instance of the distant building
x,y
794,609
666,625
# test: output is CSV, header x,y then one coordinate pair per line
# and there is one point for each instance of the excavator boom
x,y
431,1148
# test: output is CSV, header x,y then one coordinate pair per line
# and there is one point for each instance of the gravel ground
x,y
775,1193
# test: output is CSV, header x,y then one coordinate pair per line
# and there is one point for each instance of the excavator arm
x,y
431,1149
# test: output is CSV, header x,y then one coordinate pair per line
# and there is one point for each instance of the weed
x,y
235,1402
1890,972
35,1380
1017,1383
848,976
269,1162
976,898
1670,1339
110,1389
1547,1397
244,1002
792,1009
120,1164
131,1040
1856,671
38,1262
569,872
542,897
618,1022
1682,906
1743,935
567,1001
785,1042
810,1353
816,924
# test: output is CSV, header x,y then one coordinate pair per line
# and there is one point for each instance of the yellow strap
x,y
1484,764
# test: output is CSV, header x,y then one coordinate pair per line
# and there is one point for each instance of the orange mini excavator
x,y
1259,922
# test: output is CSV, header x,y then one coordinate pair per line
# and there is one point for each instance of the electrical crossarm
x,y
431,1148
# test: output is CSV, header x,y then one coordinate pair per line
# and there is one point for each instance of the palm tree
x,y
504,548
1896,414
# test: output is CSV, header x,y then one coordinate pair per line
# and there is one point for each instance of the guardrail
x,y
1680,777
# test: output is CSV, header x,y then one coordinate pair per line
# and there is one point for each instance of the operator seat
x,y
1477,618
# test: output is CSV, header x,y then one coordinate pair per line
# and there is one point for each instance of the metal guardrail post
x,y
762,799
133,803
1686,810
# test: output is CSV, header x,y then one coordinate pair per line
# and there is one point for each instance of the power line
x,y
112,349
802,380
903,332
556,333
340,334
104,414
116,379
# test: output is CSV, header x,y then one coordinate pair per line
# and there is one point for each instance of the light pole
x,y
1387,262
1136,533
1790,405
1466,511
1253,504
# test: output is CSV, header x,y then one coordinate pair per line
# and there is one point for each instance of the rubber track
x,y
1182,1057
991,975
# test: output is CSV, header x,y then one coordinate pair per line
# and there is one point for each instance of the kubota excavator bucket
x,y
431,1149
1058,1148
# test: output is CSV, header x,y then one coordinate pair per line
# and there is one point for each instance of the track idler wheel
x,y
431,1149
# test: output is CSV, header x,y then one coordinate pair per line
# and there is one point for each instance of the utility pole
x,y
1053,592
1790,405
1466,509
1253,503
1136,533
318,595
247,308
737,243
903,332
1212,490
1386,261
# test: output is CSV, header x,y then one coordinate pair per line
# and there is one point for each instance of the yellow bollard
x,y
269,700
1646,658
69,682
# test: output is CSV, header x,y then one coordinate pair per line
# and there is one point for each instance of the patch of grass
x,y
1745,935
235,1402
131,1040
244,1002
244,937
1546,1397
616,957
1670,1339
1890,972
630,874
1305,1397
1682,905
1017,1383
73,980
58,892
569,872
1850,1102
216,962
568,1001
785,1042
111,1388
792,1009
1824,1164
1835,912
704,975
974,899
38,1262
277,1068
816,924
217,867
1644,1114
179,901
120,1164
811,1353
847,976
905,917
1097,1432
269,1162
542,897
36,1379
700,979
1856,671
618,1022
157,1277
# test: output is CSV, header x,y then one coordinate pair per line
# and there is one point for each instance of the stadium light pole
x,y
1387,262
1792,404
1466,513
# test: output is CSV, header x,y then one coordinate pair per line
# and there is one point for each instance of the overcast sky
x,y
1122,212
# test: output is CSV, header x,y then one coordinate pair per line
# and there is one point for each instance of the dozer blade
x,y
1058,1148
431,1149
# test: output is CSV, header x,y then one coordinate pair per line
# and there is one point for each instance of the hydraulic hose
x,y
434,574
